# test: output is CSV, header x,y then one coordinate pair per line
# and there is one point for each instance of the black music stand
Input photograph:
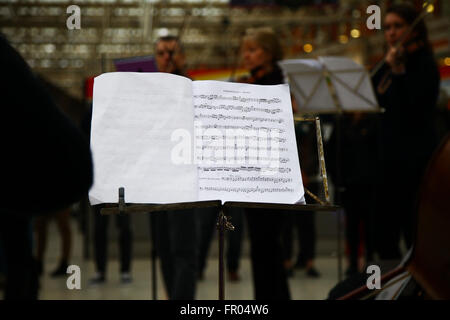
x,y
223,224
124,208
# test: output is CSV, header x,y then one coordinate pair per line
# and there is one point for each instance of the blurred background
x,y
210,30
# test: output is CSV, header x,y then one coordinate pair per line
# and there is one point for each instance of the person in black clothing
x,y
123,224
407,87
41,225
358,165
260,52
47,167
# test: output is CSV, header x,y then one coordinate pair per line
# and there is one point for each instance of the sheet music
x,y
245,143
134,118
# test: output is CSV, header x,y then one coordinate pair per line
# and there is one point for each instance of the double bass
x,y
428,262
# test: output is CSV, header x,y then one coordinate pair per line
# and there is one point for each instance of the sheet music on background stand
x,y
330,85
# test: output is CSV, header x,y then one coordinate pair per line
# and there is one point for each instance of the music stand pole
x,y
338,190
152,237
153,257
223,225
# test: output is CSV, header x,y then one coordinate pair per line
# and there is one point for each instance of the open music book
x,y
167,139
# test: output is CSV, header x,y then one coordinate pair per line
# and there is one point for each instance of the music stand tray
x,y
223,224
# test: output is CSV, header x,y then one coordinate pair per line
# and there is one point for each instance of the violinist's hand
x,y
394,60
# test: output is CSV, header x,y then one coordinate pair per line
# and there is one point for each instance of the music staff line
x,y
248,169
225,137
247,190
242,159
235,147
237,108
250,179
249,127
237,98
243,118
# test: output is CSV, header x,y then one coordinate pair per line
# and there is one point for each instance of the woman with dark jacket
x,y
261,51
407,88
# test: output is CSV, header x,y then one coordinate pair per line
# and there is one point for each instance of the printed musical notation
x,y
253,151
242,160
245,169
275,180
247,190
232,138
243,118
246,148
236,98
245,128
237,108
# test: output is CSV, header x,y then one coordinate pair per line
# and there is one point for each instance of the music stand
x,y
330,85
142,168
222,223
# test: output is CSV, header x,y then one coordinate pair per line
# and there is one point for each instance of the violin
x,y
402,53
404,46
255,74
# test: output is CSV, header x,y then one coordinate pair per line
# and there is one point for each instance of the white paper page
x,y
296,65
245,143
308,84
350,73
134,117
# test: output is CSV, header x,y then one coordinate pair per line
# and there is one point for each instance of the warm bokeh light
x,y
355,33
343,38
430,7
447,61
308,48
